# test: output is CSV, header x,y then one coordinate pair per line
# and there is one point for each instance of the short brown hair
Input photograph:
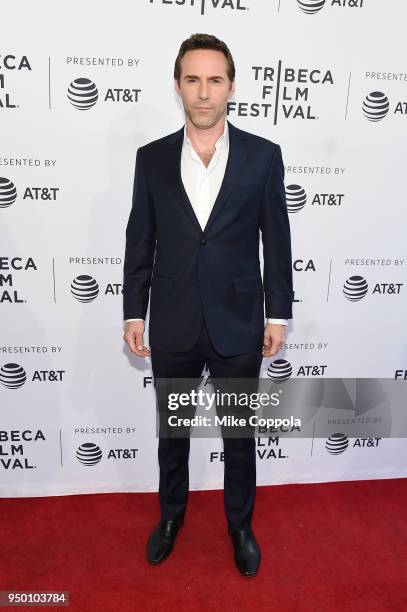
x,y
204,41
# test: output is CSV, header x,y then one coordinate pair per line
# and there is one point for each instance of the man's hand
x,y
133,335
274,337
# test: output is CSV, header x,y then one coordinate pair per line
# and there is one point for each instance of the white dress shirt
x,y
202,183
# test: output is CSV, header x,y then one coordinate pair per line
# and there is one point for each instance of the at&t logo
x,y
356,287
281,370
376,106
13,375
85,288
296,198
8,192
337,443
310,7
90,454
83,94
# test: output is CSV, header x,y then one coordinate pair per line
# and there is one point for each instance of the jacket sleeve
x,y
140,247
276,238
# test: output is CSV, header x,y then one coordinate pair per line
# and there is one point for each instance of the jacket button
x,y
203,241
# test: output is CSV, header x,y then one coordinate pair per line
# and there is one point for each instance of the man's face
x,y
204,86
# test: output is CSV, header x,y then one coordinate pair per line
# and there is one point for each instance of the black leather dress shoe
x,y
247,551
162,539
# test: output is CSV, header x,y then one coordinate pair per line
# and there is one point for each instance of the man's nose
x,y
203,91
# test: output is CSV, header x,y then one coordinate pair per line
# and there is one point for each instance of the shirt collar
x,y
222,140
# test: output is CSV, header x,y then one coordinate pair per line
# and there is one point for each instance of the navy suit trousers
x,y
239,453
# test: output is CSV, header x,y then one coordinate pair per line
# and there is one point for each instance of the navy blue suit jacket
x,y
215,272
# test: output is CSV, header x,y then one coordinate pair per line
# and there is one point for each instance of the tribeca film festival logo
x,y
281,370
8,193
13,375
90,454
10,294
356,288
85,288
337,443
376,106
303,266
285,93
311,7
12,456
296,198
234,5
266,447
83,94
10,62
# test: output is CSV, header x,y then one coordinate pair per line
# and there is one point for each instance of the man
x,y
201,196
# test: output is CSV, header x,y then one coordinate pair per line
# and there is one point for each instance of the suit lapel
x,y
235,164
173,170
234,167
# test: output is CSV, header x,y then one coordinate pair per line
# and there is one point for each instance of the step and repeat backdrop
x,y
82,86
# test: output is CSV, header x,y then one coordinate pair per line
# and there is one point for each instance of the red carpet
x,y
326,547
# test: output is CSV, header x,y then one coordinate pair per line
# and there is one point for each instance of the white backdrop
x,y
327,81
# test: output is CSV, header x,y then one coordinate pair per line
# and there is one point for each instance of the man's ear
x,y
232,89
177,89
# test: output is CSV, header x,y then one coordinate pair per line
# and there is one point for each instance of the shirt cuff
x,y
278,321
